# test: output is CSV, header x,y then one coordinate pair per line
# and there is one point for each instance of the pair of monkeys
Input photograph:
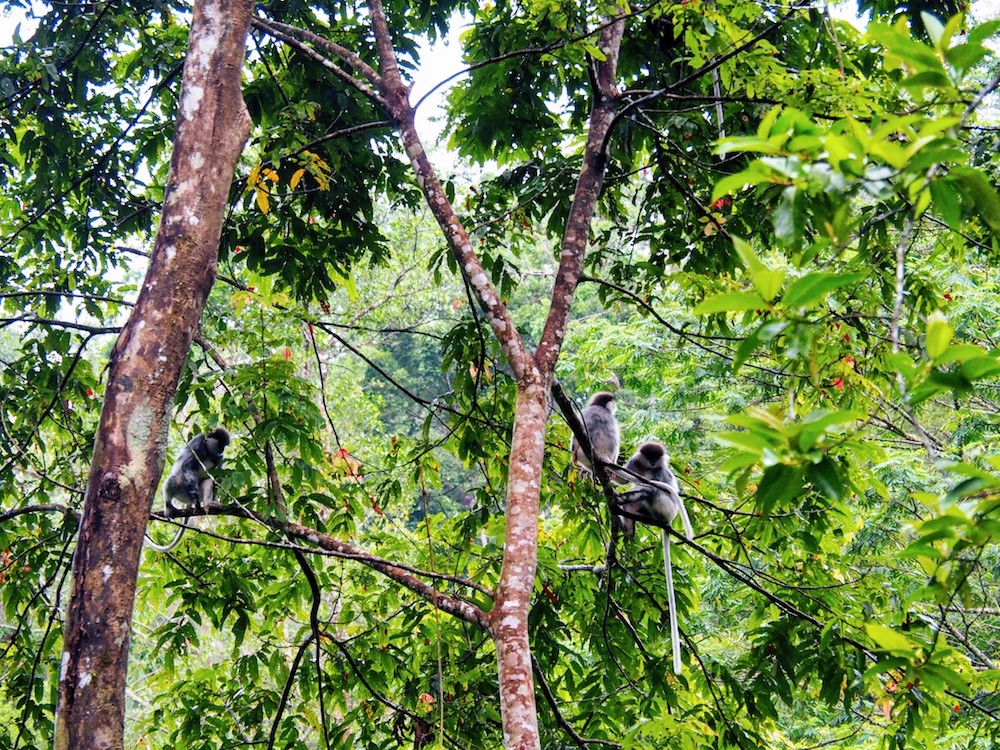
x,y
658,497
189,481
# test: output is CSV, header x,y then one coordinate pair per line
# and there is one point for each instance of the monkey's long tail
x,y
688,531
675,638
178,535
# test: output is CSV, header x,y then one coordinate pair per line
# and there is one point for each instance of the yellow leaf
x,y
293,183
253,177
262,202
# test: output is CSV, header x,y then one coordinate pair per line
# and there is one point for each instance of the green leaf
x,y
789,217
818,423
952,27
946,203
767,122
779,484
729,302
769,283
983,31
739,461
932,79
766,332
935,29
886,665
825,477
747,255
918,549
949,676
968,487
758,145
983,194
915,55
889,640
938,335
746,440
809,291
736,182
964,57
980,368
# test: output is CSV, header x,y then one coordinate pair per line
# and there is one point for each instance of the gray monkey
x,y
189,481
660,499
602,431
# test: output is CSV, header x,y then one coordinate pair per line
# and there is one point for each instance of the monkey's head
x,y
605,399
221,434
652,452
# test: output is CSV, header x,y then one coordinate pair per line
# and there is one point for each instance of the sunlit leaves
x,y
259,181
811,289
889,640
767,281
938,336
729,302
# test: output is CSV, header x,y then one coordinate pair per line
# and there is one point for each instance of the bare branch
x,y
46,508
288,34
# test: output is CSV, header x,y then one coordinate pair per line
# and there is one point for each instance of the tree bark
x,y
146,362
509,618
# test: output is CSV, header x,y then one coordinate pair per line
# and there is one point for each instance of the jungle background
x,y
790,283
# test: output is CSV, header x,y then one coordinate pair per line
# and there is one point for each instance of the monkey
x,y
189,481
661,500
602,431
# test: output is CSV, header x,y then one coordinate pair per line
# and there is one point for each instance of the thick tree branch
x,y
405,575
341,551
396,96
588,190
468,612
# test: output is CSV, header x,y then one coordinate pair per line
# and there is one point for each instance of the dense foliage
x,y
794,290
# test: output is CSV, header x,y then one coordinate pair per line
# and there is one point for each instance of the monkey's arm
x,y
638,506
630,476
635,504
191,488
213,454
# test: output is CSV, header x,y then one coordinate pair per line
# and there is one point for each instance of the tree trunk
x,y
146,362
509,618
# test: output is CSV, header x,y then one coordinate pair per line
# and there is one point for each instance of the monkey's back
x,y
602,429
174,486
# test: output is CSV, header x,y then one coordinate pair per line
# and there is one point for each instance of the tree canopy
x,y
772,234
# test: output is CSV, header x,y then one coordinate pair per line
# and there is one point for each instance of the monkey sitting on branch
x,y
659,499
189,480
601,428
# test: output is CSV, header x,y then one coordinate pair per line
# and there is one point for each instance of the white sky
x,y
437,63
